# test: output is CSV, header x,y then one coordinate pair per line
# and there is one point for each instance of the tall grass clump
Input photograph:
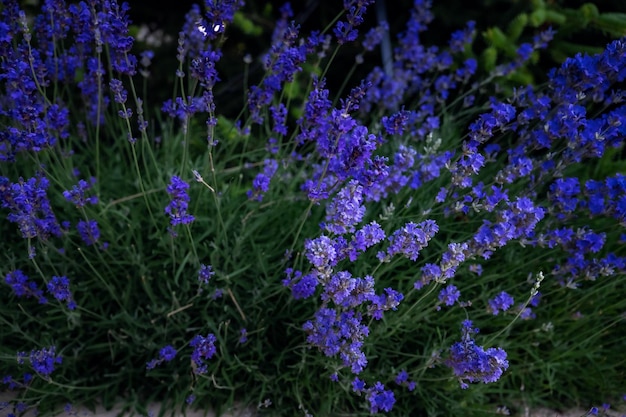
x,y
324,252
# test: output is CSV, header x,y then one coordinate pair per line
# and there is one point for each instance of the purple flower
x,y
348,291
29,207
358,385
205,273
284,60
243,335
166,354
339,334
203,349
402,377
279,117
261,183
380,399
118,90
88,231
472,363
59,287
462,38
502,301
321,252
177,208
390,300
476,268
219,13
77,195
113,21
345,210
22,287
410,239
367,236
374,36
346,31
42,361
305,285
449,295
203,69
430,273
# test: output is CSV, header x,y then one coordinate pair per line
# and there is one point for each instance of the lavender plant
x,y
333,254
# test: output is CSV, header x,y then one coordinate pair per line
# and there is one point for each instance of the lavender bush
x,y
323,253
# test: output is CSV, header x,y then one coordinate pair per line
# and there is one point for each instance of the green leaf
x,y
611,23
489,57
517,25
553,16
538,17
246,25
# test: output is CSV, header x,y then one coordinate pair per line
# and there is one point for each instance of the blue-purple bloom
x,y
449,295
177,208
367,236
403,379
166,354
472,363
302,286
321,252
203,349
205,273
59,287
374,36
29,207
410,240
345,210
23,287
501,302
358,385
243,335
380,399
340,334
78,194
390,300
89,231
261,183
43,361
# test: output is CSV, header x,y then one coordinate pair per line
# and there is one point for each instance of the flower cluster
x,y
205,273
261,182
410,240
379,398
166,354
501,302
339,334
59,287
177,208
472,363
29,207
403,379
43,361
203,349
23,287
89,231
77,195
